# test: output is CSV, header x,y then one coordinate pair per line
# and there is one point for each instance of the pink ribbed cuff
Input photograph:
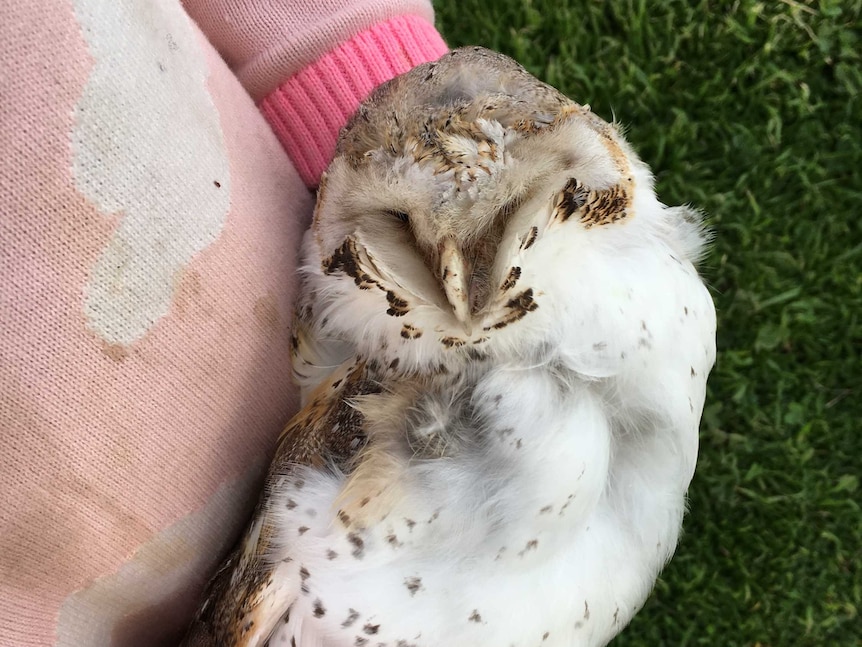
x,y
308,110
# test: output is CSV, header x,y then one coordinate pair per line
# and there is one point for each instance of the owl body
x,y
503,347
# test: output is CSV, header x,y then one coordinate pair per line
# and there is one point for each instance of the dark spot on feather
x,y
344,260
370,629
586,610
331,554
531,545
601,207
398,307
365,501
475,617
570,199
394,363
303,530
693,374
413,584
290,505
531,238
410,523
410,332
452,342
358,544
545,635
518,306
570,497
360,641
523,302
352,616
511,279
343,517
319,611
546,509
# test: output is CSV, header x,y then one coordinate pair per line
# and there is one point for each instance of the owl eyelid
x,y
403,216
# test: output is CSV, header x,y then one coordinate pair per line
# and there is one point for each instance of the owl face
x,y
460,195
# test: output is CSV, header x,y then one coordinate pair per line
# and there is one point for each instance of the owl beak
x,y
454,275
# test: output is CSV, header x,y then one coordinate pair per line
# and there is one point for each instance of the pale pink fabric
x,y
149,226
310,63
266,41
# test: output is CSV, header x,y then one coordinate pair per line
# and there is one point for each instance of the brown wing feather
x,y
243,601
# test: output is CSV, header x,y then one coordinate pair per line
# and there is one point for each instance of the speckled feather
x,y
502,345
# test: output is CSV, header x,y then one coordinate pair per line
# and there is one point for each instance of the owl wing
x,y
249,594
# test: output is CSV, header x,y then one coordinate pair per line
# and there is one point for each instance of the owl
x,y
502,345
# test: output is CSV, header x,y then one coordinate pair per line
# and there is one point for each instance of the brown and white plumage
x,y
503,346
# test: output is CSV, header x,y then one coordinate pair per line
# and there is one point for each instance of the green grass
x,y
751,111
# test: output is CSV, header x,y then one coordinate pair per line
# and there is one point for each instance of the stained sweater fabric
x,y
154,188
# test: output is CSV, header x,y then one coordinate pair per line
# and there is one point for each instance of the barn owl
x,y
502,345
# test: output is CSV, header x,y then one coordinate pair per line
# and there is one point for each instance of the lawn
x,y
750,111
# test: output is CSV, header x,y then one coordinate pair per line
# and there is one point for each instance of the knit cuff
x,y
308,110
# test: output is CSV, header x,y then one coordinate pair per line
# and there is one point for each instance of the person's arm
x,y
308,65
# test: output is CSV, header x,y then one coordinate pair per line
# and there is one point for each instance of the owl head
x,y
462,200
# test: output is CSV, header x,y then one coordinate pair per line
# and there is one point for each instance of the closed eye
x,y
401,216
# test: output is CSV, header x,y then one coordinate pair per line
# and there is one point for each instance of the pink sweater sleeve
x,y
308,64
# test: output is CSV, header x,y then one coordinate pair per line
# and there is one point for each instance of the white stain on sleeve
x,y
174,561
147,146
